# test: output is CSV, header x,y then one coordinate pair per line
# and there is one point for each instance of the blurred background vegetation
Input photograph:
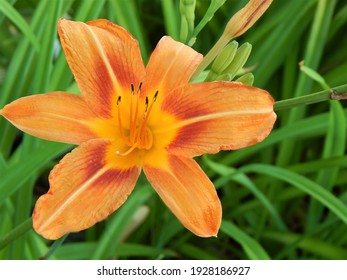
x,y
284,198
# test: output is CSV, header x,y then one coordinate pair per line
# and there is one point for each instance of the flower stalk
x,y
337,93
16,233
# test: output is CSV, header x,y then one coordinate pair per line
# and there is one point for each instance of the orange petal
x,y
171,65
188,193
84,189
104,58
217,116
56,116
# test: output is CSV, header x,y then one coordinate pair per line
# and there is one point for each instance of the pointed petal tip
x,y
37,227
62,21
188,193
61,25
49,235
172,63
35,114
208,232
208,235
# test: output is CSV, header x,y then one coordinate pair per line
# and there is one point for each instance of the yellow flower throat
x,y
139,135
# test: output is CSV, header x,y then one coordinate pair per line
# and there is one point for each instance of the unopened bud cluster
x,y
229,64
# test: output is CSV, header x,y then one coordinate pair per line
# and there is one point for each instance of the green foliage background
x,y
284,198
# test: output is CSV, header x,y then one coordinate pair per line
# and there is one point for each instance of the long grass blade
x,y
304,184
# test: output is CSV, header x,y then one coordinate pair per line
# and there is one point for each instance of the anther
x,y
132,89
146,104
140,86
155,96
119,99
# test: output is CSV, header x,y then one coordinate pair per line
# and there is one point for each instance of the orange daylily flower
x,y
130,118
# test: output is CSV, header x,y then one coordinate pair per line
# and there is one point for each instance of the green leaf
x,y
196,252
17,173
334,146
304,184
313,245
170,18
251,247
84,250
18,20
229,173
119,222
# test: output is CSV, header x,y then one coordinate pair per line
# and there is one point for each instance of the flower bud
x,y
245,18
246,79
225,57
223,77
223,60
239,60
237,25
187,10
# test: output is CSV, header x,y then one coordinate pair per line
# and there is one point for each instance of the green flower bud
x,y
246,79
239,60
223,60
224,77
225,57
187,10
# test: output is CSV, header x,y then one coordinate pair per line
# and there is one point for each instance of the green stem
x,y
16,233
337,93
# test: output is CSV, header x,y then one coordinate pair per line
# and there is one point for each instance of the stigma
x,y
138,135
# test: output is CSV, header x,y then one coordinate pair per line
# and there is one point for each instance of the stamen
x,y
143,130
132,134
140,136
131,110
119,99
150,106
